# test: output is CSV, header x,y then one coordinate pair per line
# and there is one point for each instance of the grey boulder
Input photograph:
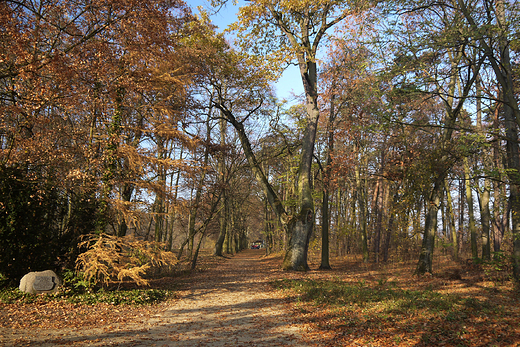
x,y
40,282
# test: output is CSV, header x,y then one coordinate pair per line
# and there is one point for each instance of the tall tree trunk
x,y
173,216
128,187
378,211
223,212
504,74
452,113
471,215
195,204
300,226
462,213
159,207
500,206
485,192
485,215
451,221
325,220
425,263
501,64
390,225
362,209
114,132
513,163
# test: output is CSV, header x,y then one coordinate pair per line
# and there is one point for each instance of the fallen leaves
x,y
379,309
352,305
59,315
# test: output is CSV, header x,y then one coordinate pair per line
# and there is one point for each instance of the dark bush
x,y
27,237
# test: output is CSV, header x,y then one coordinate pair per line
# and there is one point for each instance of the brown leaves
x,y
60,315
482,313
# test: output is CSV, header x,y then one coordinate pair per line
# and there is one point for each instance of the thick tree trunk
x,y
299,231
501,64
513,163
301,226
504,73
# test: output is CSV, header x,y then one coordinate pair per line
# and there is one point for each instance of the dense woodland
x,y
141,119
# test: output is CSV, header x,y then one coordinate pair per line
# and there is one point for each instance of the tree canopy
x,y
142,119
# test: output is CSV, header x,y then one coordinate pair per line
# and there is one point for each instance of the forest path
x,y
231,304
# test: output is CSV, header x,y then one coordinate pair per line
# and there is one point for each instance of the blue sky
x,y
290,82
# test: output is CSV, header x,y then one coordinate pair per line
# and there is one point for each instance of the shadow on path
x,y
231,305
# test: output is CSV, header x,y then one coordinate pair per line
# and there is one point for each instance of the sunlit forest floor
x,y
354,304
461,304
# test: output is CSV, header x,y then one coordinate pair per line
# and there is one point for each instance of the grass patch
x,y
386,298
88,297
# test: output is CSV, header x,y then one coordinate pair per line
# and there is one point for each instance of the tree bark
x,y
362,210
325,220
485,215
425,263
223,212
501,64
471,214
451,221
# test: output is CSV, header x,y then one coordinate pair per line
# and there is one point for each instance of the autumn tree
x,y
492,28
83,87
286,32
438,66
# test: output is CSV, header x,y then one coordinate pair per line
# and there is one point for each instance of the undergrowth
x,y
385,297
109,257
345,311
88,297
359,305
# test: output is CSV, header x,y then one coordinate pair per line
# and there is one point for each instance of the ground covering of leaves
x,y
60,318
386,305
351,305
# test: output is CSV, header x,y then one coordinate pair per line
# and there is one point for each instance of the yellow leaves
x,y
135,274
127,211
287,30
76,175
110,257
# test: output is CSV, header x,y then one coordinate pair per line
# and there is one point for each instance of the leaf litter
x,y
246,300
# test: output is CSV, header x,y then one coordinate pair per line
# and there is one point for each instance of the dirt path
x,y
231,305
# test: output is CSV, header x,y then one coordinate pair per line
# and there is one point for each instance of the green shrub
x,y
88,297
27,237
